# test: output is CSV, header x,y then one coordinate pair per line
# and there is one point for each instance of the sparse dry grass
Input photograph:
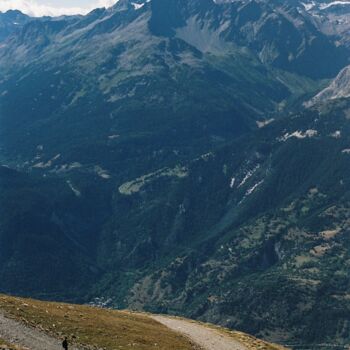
x,y
4,345
94,328
249,341
253,343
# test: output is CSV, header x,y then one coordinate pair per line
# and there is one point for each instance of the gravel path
x,y
207,338
16,333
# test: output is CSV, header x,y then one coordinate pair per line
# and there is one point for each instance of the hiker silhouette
x,y
65,344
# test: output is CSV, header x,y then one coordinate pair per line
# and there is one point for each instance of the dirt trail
x,y
29,338
207,338
16,333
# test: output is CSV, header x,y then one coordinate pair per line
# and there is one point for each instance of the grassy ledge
x,y
92,328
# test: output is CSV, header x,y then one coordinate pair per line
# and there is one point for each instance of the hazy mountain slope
x,y
134,71
140,89
121,82
279,34
260,228
11,22
47,231
154,144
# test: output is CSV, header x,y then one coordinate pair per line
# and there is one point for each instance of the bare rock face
x,y
11,22
339,88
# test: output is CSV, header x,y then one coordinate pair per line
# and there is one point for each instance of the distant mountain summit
x,y
10,22
299,46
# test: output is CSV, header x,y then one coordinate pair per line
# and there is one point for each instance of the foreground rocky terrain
x,y
37,325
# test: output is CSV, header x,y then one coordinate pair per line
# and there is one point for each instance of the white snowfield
x,y
334,3
324,6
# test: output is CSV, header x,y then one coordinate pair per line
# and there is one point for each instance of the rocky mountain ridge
x,y
339,88
11,22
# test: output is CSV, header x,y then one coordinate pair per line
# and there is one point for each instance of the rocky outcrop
x,y
339,88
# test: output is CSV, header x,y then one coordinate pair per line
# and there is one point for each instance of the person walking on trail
x,y
65,344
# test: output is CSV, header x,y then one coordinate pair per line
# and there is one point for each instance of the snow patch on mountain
x,y
249,174
252,189
332,4
309,6
74,189
336,134
299,135
263,123
312,5
138,6
47,164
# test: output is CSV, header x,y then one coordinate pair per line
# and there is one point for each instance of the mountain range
x,y
182,156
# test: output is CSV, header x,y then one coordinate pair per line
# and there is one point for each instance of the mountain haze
x,y
189,157
10,22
